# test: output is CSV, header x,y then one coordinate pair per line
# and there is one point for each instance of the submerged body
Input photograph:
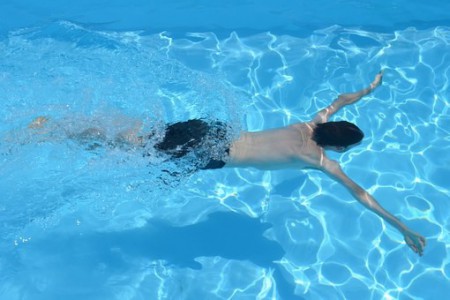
x,y
296,146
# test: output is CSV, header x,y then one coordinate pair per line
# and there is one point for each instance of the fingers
x,y
417,243
420,245
377,81
418,250
423,241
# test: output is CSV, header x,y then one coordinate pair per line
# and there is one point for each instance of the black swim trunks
x,y
208,140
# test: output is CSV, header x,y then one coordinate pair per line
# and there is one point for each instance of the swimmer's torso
x,y
287,147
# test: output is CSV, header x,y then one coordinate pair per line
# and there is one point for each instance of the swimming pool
x,y
107,224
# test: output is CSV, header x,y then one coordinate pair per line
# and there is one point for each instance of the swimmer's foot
x,y
415,241
39,122
377,81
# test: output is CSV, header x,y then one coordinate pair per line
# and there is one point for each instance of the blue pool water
x,y
107,224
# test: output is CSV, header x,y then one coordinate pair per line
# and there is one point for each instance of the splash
x,y
94,88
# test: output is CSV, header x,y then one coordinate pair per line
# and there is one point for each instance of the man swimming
x,y
301,145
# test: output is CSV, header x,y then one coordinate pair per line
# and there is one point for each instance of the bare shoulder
x,y
305,128
320,117
309,151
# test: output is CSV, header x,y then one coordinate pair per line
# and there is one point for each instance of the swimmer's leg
x,y
39,122
42,127
92,138
131,137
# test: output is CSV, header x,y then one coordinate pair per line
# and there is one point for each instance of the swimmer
x,y
303,145
298,146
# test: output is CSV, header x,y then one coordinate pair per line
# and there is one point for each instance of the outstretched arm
x,y
414,240
346,99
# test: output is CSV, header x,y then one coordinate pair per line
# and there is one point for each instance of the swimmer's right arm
x,y
414,240
346,99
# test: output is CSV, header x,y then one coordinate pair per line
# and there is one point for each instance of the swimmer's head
x,y
39,122
337,135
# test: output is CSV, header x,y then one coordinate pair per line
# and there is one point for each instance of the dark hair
x,y
339,134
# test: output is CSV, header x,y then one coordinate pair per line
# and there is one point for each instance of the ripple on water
x,y
333,246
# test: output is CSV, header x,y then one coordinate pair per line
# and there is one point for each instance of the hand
x,y
415,241
377,81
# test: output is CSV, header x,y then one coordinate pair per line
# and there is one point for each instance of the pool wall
x,y
245,17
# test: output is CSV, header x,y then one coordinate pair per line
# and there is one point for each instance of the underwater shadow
x,y
224,234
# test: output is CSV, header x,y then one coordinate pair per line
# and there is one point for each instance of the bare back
x,y
281,148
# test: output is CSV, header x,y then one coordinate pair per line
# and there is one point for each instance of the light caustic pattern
x,y
103,204
340,250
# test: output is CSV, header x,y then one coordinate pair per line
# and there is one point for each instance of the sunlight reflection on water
x,y
333,249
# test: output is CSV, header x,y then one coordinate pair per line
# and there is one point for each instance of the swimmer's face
x,y
342,149
339,149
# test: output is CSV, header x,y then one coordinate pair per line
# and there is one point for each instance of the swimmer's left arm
x,y
347,99
414,240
